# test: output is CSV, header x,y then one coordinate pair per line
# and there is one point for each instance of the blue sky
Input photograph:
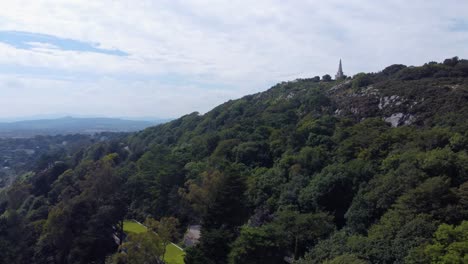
x,y
167,58
30,40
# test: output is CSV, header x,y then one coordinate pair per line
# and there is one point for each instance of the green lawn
x,y
133,227
173,254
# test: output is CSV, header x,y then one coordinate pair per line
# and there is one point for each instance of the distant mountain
x,y
71,125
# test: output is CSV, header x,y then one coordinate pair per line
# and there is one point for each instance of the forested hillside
x,y
23,155
369,169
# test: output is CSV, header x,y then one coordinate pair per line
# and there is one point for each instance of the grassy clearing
x,y
133,227
173,254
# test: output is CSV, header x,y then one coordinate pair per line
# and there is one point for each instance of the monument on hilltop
x,y
339,75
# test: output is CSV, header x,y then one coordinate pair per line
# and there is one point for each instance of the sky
x,y
165,59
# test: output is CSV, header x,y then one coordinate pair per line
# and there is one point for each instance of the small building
x,y
192,236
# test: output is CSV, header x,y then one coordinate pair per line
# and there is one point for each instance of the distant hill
x,y
71,125
367,169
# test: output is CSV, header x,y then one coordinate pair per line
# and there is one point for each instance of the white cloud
x,y
242,44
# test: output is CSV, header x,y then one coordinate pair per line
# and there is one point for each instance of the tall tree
x,y
220,225
166,228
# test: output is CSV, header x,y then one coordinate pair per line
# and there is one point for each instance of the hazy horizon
x,y
60,116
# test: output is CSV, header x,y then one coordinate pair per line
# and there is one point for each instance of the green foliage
x,y
333,246
308,170
300,231
80,227
291,233
256,245
449,245
361,80
393,69
225,210
326,78
449,68
347,259
166,228
158,172
334,187
142,248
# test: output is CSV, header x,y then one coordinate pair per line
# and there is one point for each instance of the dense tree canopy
x,y
309,171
